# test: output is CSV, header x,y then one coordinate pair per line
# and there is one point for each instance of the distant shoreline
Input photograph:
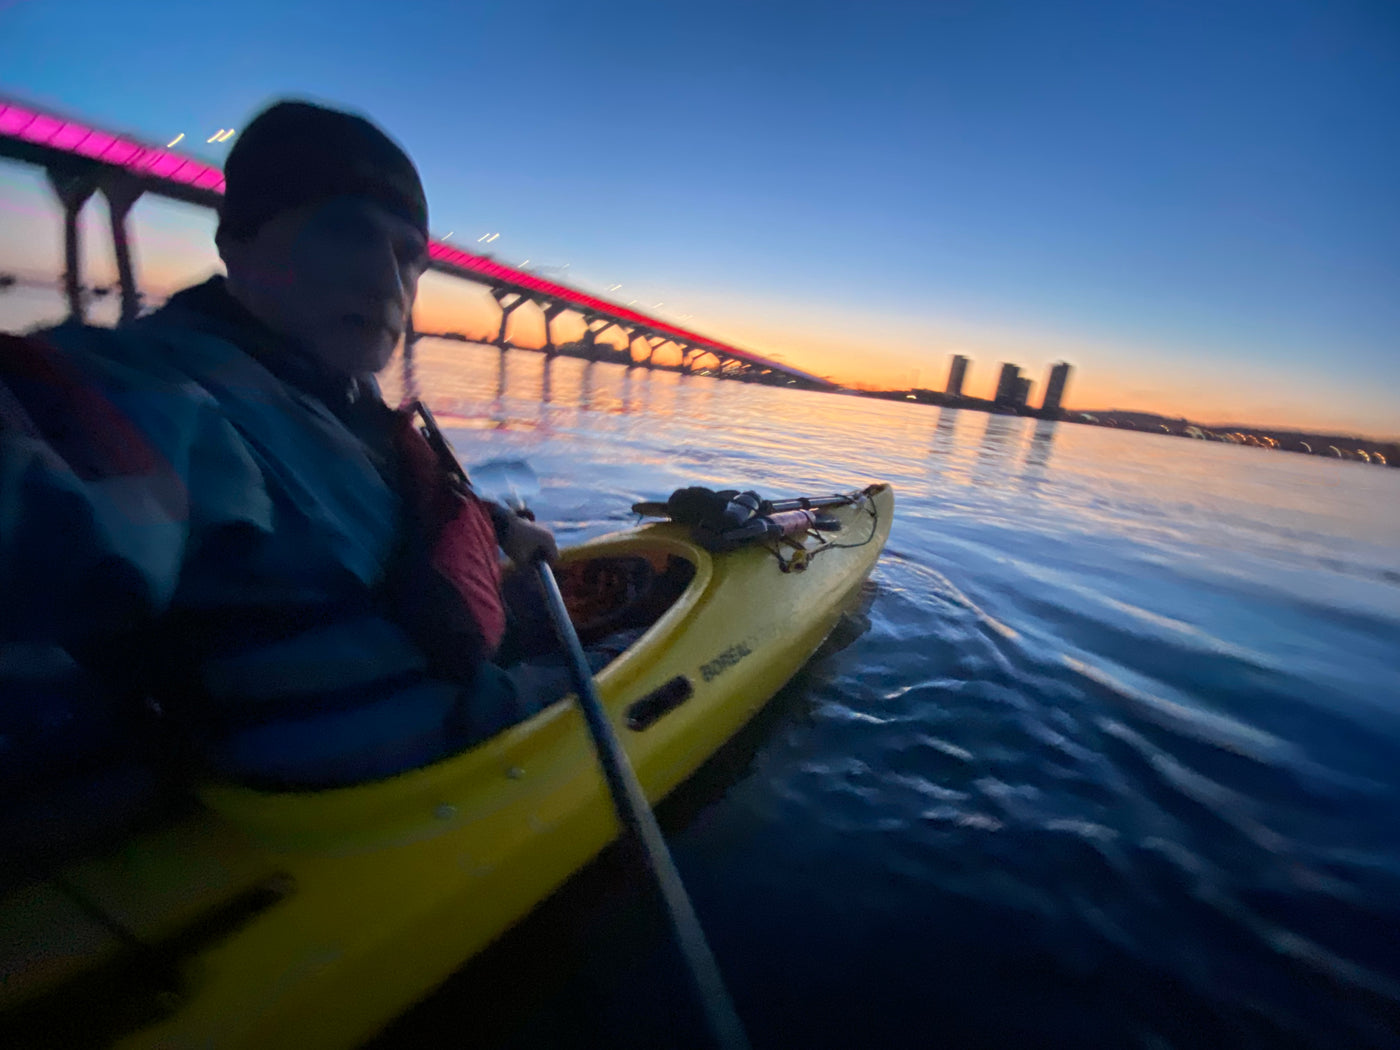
x,y
1352,447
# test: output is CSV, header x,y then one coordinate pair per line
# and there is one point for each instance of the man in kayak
x,y
213,514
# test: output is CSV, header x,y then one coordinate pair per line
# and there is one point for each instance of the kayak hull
x,y
391,886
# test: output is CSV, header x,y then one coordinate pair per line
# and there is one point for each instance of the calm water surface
x,y
1109,756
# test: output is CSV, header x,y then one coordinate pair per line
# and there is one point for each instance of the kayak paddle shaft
x,y
633,811
635,815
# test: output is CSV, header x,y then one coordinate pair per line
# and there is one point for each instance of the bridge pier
x,y
591,334
122,192
501,295
733,368
73,187
654,344
410,374
550,311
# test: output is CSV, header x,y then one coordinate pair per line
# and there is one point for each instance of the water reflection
x,y
497,409
585,387
943,448
995,446
945,431
625,393
1037,458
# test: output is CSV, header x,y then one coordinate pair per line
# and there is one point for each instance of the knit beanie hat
x,y
297,153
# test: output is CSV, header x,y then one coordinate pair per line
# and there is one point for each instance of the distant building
x,y
1055,389
956,373
1023,391
1008,385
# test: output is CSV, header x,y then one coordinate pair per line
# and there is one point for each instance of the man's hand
x,y
524,542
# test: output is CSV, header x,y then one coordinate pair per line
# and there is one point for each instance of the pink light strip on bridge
x,y
28,125
71,137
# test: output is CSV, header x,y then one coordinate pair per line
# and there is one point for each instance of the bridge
x,y
81,161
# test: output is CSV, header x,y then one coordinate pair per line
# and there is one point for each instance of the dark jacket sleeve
x,y
95,519
108,466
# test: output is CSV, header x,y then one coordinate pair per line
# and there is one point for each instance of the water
x,y
1109,756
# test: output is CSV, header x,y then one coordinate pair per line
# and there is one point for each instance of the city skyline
x,y
860,196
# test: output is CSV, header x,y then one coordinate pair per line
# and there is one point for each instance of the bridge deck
x,y
56,143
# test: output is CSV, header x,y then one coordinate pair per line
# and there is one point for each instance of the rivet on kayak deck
x,y
444,811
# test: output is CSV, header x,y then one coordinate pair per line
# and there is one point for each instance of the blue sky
x,y
1194,203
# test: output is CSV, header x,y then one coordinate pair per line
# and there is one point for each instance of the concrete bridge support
x,y
593,327
689,355
73,189
122,192
550,311
507,308
731,368
654,344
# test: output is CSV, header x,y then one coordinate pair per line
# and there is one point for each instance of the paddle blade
x,y
512,482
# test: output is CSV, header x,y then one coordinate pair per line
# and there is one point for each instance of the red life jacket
x,y
458,531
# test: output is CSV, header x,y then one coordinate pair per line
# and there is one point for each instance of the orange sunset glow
x,y
857,348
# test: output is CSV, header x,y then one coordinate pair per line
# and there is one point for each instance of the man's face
x,y
339,276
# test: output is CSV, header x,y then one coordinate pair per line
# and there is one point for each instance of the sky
x,y
1193,203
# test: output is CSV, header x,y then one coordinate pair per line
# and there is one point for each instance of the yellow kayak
x,y
313,919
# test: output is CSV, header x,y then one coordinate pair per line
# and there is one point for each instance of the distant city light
x,y
658,306
482,237
215,137
226,135
448,234
525,263
492,237
176,139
